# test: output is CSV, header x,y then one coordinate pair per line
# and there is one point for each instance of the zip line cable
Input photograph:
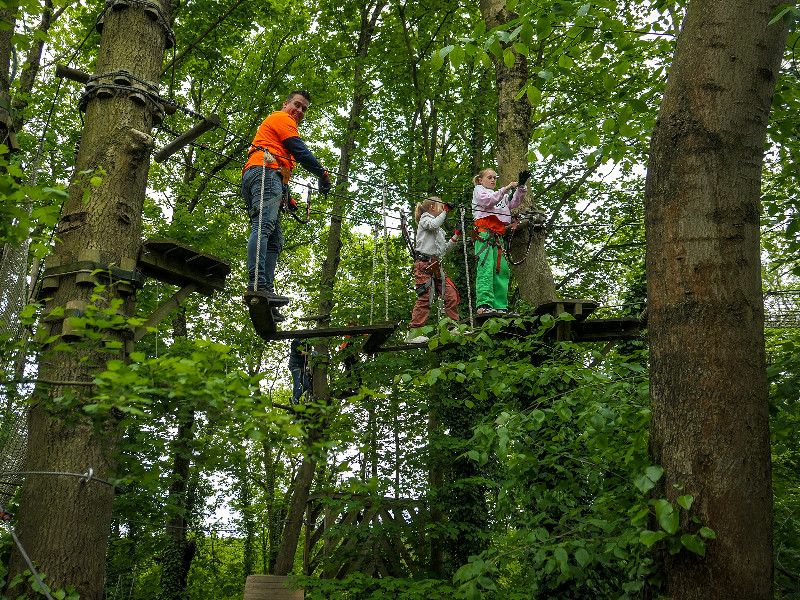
x,y
6,519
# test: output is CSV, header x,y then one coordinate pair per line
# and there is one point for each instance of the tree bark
x,y
534,277
708,389
68,536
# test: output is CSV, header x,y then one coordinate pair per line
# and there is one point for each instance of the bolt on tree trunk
x,y
708,388
68,538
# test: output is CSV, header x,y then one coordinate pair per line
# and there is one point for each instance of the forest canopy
x,y
502,460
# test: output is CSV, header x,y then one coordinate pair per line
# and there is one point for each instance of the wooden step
x,y
271,587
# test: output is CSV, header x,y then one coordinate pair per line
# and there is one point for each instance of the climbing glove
x,y
523,177
325,183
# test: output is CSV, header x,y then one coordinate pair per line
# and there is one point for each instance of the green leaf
x,y
707,533
779,13
446,50
667,517
637,105
609,125
508,58
686,501
648,538
457,57
521,48
562,557
584,10
582,557
654,472
534,95
565,61
694,543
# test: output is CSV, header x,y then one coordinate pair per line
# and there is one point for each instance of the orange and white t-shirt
x,y
270,135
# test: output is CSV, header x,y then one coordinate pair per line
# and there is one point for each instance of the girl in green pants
x,y
492,212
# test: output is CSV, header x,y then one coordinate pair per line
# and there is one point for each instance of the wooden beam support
x,y
166,307
179,142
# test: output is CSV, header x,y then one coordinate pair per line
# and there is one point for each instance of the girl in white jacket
x,y
429,276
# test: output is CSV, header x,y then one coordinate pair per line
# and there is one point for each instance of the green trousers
x,y
491,284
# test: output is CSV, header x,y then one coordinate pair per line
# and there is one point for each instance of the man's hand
x,y
292,205
325,183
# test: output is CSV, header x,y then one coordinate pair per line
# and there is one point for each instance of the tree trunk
x,y
294,520
179,553
72,550
708,389
534,277
297,507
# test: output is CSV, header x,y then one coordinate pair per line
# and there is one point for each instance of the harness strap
x,y
492,240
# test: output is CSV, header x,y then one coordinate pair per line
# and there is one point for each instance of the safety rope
x,y
385,254
260,220
466,266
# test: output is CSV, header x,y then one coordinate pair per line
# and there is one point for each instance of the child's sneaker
x,y
485,309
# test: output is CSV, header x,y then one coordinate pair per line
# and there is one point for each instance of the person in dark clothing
x,y
299,368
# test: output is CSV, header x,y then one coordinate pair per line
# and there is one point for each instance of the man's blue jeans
x,y
266,210
300,383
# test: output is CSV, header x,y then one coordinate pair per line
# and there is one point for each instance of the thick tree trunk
x,y
68,537
534,277
710,427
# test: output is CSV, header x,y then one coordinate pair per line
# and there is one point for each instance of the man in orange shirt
x,y
264,182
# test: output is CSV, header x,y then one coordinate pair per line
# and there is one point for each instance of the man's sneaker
x,y
277,316
271,295
420,339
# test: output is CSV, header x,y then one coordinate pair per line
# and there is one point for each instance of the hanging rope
x,y
461,212
260,220
374,265
385,255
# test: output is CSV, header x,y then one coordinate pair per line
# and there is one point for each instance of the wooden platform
x,y
607,330
379,332
579,308
270,587
181,264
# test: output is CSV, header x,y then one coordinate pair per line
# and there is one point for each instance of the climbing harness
x,y
535,223
493,240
